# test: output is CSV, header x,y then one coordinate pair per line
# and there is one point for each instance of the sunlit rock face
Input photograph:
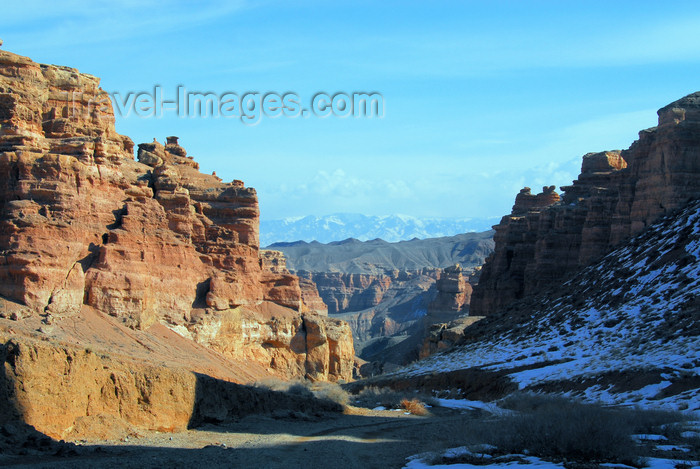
x,y
617,195
147,241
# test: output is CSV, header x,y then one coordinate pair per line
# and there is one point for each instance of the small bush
x,y
373,396
414,406
273,384
663,422
530,402
560,428
307,389
301,390
331,392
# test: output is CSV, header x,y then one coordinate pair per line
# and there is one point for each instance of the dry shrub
x,y
330,392
556,427
300,389
373,396
273,384
320,390
414,406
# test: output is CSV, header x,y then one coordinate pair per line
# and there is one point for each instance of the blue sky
x,y
481,98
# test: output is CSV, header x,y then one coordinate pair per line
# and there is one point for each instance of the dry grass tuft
x,y
414,406
331,392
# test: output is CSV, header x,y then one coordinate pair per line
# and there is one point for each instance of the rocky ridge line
x,y
148,242
617,195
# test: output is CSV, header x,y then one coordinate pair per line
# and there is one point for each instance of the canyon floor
x,y
456,434
359,438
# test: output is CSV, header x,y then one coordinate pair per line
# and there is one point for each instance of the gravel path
x,y
358,439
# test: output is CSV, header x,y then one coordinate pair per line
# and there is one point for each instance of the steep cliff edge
x,y
625,330
343,292
617,195
151,243
448,314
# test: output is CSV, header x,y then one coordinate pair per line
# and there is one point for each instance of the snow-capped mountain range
x,y
390,228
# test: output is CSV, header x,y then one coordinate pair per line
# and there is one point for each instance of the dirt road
x,y
358,439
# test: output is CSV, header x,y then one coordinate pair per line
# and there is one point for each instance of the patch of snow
x,y
649,437
683,449
659,463
471,405
528,462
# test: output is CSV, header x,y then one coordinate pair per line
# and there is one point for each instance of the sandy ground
x,y
359,438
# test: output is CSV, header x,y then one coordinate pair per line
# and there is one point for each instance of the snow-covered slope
x,y
392,228
624,330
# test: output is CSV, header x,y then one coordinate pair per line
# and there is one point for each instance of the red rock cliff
x,y
349,292
453,295
617,195
148,241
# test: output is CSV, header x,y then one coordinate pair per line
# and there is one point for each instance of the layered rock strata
x,y
153,241
448,314
453,295
617,195
343,292
275,263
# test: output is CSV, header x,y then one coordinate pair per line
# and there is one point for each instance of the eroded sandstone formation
x,y
617,195
276,263
453,294
153,241
442,336
71,393
343,292
448,314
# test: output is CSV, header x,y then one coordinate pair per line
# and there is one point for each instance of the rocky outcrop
x,y
310,297
153,241
453,295
349,292
442,336
275,263
448,314
72,393
617,195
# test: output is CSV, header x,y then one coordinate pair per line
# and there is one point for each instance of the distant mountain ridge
x,y
391,228
378,256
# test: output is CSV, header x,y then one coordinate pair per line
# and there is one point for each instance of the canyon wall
x,y
148,242
343,292
617,195
453,295
276,263
70,393
448,314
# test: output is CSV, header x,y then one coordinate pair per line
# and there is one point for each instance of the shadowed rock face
x,y
616,196
148,241
348,292
454,293
107,395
